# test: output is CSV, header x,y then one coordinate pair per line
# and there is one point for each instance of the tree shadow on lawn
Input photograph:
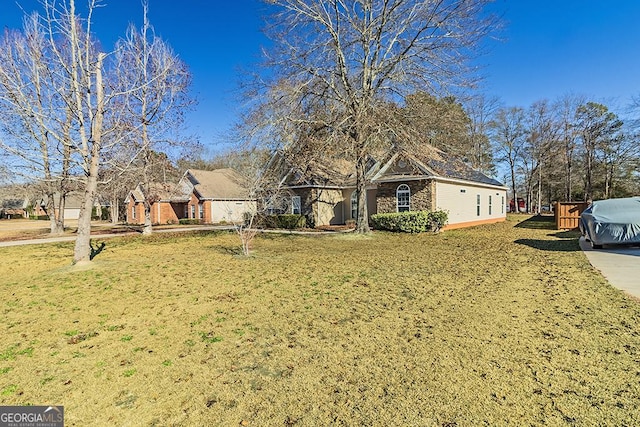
x,y
551,245
538,222
227,250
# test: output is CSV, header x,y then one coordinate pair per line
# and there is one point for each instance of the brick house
x,y
428,179
211,197
162,211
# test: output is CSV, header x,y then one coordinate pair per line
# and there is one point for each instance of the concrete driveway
x,y
620,265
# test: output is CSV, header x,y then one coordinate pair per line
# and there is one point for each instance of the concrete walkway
x,y
45,240
620,265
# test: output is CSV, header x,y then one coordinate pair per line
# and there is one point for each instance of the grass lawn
x,y
505,324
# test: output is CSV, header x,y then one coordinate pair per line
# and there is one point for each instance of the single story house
x,y
162,212
14,208
211,197
72,203
402,180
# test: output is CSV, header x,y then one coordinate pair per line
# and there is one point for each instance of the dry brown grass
x,y
495,325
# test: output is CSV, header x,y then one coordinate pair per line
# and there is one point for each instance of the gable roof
x,y
72,200
219,184
313,172
428,161
160,191
421,162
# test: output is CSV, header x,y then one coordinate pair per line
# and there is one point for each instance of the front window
x,y
478,205
133,211
354,205
489,205
296,205
403,198
201,211
193,212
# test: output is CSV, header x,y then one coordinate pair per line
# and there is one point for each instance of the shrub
x,y
438,220
410,222
286,221
188,221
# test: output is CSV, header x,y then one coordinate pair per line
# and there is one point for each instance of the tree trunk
x,y
362,223
60,214
148,228
540,189
115,209
82,250
516,207
569,183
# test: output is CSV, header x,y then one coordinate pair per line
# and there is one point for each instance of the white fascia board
x,y
471,183
399,178
385,167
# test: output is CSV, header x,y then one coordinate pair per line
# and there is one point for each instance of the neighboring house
x,y
72,204
213,196
401,181
161,209
14,208
208,196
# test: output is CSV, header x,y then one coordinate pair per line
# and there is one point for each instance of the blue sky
x,y
554,47
549,48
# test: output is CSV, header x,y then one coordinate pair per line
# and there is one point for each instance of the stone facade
x,y
422,195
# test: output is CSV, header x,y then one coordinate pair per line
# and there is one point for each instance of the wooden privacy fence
x,y
568,214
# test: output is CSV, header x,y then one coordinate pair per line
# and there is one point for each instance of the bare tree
x,y
565,109
480,110
89,99
348,58
34,122
155,82
542,132
597,127
617,158
508,134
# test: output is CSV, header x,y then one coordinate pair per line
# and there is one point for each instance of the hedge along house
x,y
424,179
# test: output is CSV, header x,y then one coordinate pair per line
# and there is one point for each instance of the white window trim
x,y
296,202
403,189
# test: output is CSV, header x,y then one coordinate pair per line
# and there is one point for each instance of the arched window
x,y
403,198
354,205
